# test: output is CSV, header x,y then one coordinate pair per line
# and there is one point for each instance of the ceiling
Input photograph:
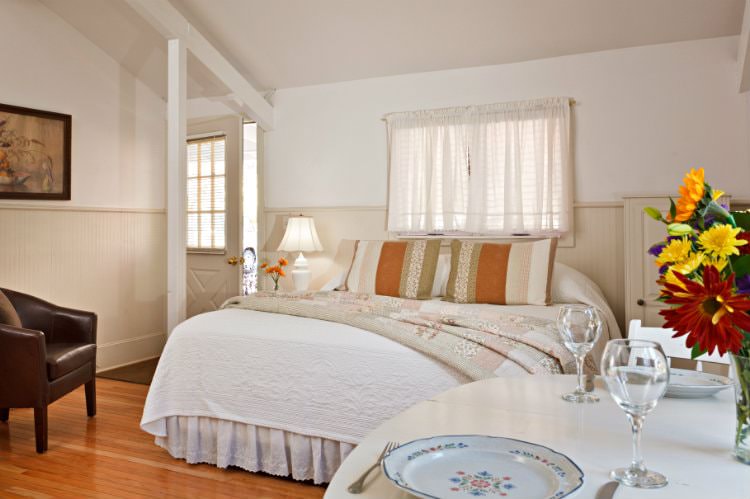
x,y
288,43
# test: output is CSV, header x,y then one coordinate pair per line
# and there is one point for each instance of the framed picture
x,y
34,154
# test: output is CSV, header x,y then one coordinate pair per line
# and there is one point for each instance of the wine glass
x,y
580,328
637,374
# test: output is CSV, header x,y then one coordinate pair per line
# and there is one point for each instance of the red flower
x,y
710,314
745,249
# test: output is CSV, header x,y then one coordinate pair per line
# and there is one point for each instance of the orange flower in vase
x,y
275,272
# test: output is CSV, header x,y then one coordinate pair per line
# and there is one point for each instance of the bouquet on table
x,y
704,274
276,271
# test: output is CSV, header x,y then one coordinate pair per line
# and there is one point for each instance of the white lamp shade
x,y
300,235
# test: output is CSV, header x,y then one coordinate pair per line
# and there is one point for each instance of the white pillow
x,y
571,286
335,282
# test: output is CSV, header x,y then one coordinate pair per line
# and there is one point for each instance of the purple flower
x,y
743,284
656,249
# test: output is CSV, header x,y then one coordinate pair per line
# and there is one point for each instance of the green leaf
x,y
653,213
741,265
742,218
672,209
696,352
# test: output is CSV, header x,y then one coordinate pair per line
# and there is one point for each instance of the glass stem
x,y
636,423
579,371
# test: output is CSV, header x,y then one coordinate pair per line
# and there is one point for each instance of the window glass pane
x,y
192,194
192,159
219,228
204,239
204,202
205,159
219,194
192,230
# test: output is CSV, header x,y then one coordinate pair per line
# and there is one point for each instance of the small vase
x,y
275,285
742,398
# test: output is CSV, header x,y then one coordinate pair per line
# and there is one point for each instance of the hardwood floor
x,y
110,457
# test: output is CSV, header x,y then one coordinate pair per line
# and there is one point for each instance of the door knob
x,y
233,260
640,302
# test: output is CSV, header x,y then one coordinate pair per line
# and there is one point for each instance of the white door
x,y
641,273
213,219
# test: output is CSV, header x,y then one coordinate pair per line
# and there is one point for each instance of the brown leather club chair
x,y
51,355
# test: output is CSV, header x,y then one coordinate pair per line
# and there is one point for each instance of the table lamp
x,y
300,236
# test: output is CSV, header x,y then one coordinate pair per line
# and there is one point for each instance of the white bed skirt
x,y
200,439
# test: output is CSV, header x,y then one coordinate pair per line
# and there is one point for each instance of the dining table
x,y
688,440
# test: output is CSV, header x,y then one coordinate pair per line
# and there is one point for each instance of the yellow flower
x,y
686,267
690,194
676,251
717,262
720,241
717,194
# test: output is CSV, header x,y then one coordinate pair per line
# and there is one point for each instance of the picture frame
x,y
35,148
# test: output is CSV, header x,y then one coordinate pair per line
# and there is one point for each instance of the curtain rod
x,y
571,101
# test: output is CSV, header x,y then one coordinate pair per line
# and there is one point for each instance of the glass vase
x,y
742,398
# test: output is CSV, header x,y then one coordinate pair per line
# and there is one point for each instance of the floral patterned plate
x,y
468,466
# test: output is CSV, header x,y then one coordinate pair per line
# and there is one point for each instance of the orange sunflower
x,y
710,314
690,194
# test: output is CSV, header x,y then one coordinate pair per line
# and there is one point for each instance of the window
x,y
206,194
499,169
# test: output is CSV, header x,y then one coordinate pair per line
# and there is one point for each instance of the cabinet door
x,y
642,231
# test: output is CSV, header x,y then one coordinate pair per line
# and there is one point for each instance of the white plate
x,y
684,383
470,466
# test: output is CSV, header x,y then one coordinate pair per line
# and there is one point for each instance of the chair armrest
x,y
23,367
73,326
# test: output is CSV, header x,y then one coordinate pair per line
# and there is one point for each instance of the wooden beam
x,y
176,181
743,52
163,16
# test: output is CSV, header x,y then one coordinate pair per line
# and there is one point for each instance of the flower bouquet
x,y
704,274
275,272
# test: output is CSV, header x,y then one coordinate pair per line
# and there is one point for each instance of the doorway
x,y
213,271
250,205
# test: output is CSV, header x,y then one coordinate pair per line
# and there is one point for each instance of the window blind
x,y
206,193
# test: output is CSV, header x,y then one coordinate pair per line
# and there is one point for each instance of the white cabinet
x,y
642,231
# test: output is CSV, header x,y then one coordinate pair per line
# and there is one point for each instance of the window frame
x,y
198,138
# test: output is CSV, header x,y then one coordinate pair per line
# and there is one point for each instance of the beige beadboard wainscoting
x,y
107,260
596,248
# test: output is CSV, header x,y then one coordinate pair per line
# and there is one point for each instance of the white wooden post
x,y
176,182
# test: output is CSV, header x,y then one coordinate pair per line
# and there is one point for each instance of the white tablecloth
x,y
690,441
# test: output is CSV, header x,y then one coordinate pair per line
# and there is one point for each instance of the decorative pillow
x,y
503,274
8,314
405,269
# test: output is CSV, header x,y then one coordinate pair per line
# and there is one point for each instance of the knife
x,y
607,491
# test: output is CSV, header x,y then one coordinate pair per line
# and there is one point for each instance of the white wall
x,y
644,116
118,123
105,249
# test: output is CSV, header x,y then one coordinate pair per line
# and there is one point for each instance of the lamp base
x,y
301,274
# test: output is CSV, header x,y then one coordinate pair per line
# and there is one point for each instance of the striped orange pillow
x,y
404,269
503,274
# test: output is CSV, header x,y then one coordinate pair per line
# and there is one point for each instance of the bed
x,y
290,394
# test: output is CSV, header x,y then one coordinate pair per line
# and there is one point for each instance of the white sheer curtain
x,y
496,169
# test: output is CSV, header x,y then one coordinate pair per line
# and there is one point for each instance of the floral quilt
x,y
480,343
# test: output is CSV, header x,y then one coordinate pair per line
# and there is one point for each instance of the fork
x,y
358,486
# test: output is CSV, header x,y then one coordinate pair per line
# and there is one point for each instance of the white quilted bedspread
x,y
296,374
